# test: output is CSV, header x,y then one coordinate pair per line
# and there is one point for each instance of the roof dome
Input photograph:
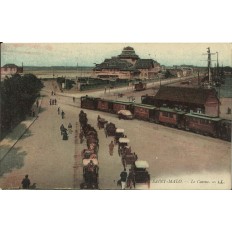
x,y
128,53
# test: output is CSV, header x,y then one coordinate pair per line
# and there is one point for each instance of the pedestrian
x,y
55,101
81,136
111,148
50,101
26,182
33,113
123,176
62,114
130,179
70,128
65,134
37,103
73,99
62,129
58,110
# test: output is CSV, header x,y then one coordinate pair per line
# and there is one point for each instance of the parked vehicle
x,y
140,172
90,174
122,144
110,129
125,114
140,86
119,133
101,122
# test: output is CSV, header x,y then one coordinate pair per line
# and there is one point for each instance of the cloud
x,y
48,47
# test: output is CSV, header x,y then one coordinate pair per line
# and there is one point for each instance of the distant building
x,y
180,71
11,69
128,54
199,100
127,65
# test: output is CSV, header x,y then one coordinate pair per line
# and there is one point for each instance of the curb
x,y
7,141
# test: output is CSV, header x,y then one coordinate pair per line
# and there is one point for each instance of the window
x,y
165,114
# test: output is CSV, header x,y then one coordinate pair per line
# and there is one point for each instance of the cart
x,y
140,172
119,133
123,145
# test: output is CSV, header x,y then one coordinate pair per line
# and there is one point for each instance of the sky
x,y
87,54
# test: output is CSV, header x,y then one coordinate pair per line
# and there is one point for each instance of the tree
x,y
18,93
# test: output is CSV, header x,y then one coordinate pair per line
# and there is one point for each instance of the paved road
x,y
192,160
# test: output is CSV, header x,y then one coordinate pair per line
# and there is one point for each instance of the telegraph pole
x,y
209,64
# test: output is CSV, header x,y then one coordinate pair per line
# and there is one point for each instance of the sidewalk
x,y
12,138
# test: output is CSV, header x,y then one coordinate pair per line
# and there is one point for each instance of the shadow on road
x,y
13,160
42,109
16,133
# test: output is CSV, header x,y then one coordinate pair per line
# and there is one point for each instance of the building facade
x,y
127,65
10,69
198,100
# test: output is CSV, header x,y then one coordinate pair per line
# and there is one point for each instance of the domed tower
x,y
128,54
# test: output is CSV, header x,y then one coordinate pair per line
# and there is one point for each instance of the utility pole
x,y
217,63
209,64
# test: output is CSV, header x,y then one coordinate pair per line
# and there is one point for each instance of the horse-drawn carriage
x,y
119,133
128,157
83,118
110,129
92,141
88,154
101,122
140,173
123,146
90,173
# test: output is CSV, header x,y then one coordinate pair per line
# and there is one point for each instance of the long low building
x,y
200,100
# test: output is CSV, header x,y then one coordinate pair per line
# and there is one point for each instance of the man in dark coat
x,y
62,114
123,176
26,182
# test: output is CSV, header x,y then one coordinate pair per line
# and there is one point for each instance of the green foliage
x,y
18,93
168,74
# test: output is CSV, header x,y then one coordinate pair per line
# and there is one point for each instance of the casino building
x,y
127,65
